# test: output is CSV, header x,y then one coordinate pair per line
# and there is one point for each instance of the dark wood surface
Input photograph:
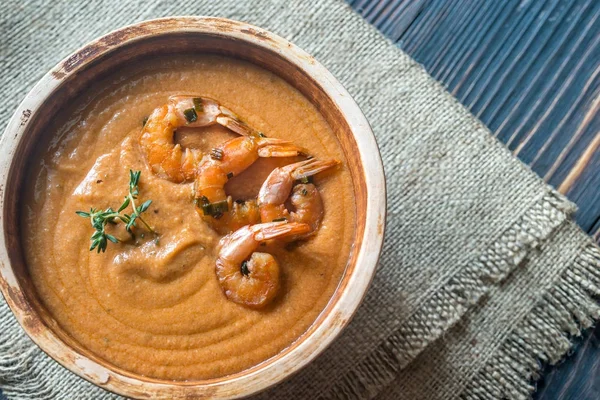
x,y
530,70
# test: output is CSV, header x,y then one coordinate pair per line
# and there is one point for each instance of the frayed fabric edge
x,y
20,377
449,304
543,336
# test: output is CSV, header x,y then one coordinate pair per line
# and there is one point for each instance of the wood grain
x,y
530,70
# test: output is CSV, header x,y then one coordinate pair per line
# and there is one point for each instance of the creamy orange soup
x,y
157,308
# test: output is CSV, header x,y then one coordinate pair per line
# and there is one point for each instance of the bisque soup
x,y
190,217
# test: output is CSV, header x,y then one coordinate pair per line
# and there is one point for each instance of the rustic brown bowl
x,y
180,35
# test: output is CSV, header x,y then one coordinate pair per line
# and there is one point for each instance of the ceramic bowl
x,y
186,35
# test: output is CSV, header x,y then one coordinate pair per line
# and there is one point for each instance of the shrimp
x,y
305,198
226,161
307,204
247,277
167,159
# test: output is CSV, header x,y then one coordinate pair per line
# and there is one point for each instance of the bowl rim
x,y
263,376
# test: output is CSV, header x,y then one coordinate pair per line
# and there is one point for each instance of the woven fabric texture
x,y
482,275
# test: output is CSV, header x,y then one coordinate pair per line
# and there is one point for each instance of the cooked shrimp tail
x,y
277,230
247,277
231,121
310,167
270,147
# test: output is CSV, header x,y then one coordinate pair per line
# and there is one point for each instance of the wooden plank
x,y
391,17
577,376
530,70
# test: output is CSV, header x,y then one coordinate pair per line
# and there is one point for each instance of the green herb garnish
x,y
190,115
262,135
216,154
279,219
304,192
229,175
198,106
215,209
99,218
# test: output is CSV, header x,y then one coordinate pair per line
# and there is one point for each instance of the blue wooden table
x,y
530,70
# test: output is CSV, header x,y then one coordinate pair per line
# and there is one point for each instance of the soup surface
x,y
156,307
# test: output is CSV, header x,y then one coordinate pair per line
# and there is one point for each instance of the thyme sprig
x,y
99,218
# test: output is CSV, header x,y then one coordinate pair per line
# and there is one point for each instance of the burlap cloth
x,y
483,274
